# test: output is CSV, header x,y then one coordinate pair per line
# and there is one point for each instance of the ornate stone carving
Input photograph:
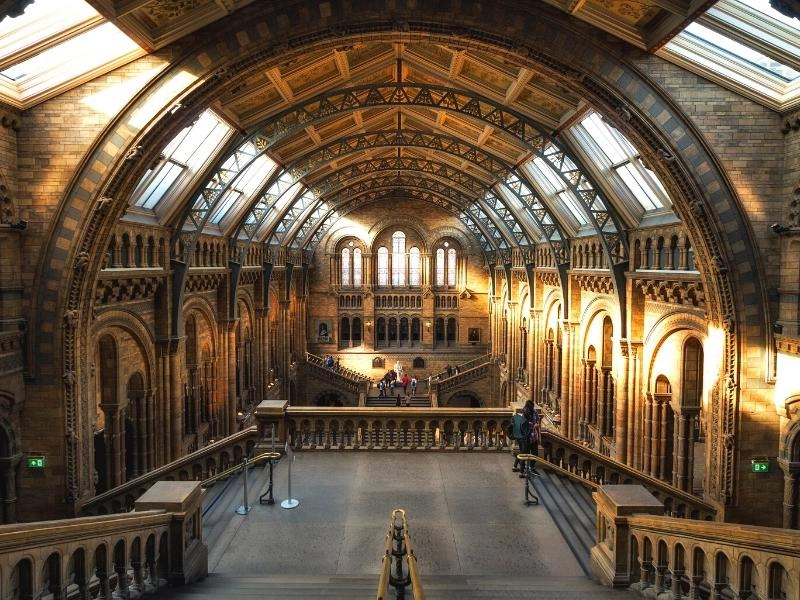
x,y
134,153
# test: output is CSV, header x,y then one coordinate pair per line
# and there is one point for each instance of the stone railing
x,y
599,468
464,377
313,428
463,367
119,556
663,557
343,372
196,466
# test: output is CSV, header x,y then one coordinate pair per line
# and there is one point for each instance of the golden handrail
x,y
411,559
236,468
560,470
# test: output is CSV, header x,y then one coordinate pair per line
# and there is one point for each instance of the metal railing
x,y
398,545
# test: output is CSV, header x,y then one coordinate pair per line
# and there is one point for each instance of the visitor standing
x,y
414,385
405,383
520,431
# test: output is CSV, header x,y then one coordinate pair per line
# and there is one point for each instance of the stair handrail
x,y
546,464
236,469
158,473
398,533
647,481
466,366
348,374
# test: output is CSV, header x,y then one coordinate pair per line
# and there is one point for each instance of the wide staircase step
x,y
437,587
417,401
572,508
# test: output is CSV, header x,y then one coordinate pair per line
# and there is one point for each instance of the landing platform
x,y
466,518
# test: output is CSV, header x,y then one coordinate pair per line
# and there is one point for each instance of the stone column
x,y
511,356
635,409
176,400
621,405
149,402
791,476
663,439
230,401
9,465
648,435
565,377
534,361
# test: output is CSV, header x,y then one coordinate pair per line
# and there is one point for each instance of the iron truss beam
x,y
310,237
469,187
524,130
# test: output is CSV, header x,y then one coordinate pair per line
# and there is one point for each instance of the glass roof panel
x,y
546,176
736,49
43,20
75,56
643,192
198,140
573,205
225,204
159,185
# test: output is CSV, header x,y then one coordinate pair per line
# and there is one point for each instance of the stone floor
x,y
472,533
465,511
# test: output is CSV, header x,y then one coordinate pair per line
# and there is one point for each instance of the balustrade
x,y
313,428
654,555
114,556
599,468
196,466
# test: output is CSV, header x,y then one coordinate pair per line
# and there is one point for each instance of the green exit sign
x,y
36,462
760,465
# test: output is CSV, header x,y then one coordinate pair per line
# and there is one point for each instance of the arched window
x,y
451,267
383,266
414,267
346,281
692,372
357,267
398,259
440,267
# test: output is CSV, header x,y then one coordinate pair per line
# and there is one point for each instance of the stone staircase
x,y
359,587
388,401
573,510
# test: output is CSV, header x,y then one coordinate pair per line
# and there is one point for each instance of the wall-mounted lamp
x,y
368,324
428,325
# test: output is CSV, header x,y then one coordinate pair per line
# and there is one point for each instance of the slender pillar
x,y
176,400
622,405
791,477
648,434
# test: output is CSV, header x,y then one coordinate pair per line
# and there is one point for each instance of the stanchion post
x,y
244,508
290,502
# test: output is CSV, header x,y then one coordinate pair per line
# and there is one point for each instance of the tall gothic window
x,y
383,266
346,281
398,259
414,265
440,267
357,267
451,267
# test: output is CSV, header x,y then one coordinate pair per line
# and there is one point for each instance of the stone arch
x,y
667,138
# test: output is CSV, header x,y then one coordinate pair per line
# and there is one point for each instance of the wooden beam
x,y
342,64
281,86
456,64
516,87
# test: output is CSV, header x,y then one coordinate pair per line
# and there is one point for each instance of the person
x,y
449,371
520,431
458,369
329,361
381,388
399,400
405,383
534,426
407,401
338,364
398,367
414,385
430,379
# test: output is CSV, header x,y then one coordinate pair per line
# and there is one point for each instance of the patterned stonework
x,y
163,12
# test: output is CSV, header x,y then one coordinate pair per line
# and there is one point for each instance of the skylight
x,y
554,186
184,155
735,49
611,152
56,45
746,46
